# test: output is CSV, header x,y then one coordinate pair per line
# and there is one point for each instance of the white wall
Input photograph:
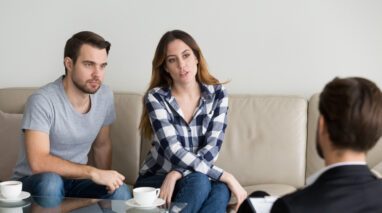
x,y
262,46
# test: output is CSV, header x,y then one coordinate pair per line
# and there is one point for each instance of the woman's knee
x,y
199,178
218,198
220,191
196,185
200,181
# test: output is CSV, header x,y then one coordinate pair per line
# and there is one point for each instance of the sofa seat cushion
x,y
10,134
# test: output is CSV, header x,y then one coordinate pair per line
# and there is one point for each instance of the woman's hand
x,y
168,185
235,188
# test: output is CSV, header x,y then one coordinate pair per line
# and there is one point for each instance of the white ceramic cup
x,y
11,210
145,195
11,189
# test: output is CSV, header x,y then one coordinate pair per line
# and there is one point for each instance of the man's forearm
x,y
64,168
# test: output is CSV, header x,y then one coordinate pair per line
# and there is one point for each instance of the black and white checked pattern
x,y
184,147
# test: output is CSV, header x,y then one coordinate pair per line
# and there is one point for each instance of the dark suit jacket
x,y
348,189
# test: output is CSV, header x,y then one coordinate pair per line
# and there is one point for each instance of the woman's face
x,y
180,62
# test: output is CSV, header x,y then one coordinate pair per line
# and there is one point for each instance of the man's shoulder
x,y
47,92
294,202
297,195
319,195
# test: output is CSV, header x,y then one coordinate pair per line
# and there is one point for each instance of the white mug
x,y
145,195
11,189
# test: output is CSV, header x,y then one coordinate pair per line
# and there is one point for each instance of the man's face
x,y
318,142
89,71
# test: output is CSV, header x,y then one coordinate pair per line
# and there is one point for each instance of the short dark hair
x,y
352,109
74,44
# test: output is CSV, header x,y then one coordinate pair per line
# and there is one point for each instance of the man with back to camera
x,y
63,120
349,125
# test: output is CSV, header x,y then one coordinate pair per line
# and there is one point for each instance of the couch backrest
x,y
265,140
313,161
125,135
265,133
12,101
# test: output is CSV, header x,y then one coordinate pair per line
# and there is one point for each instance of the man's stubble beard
x,y
83,88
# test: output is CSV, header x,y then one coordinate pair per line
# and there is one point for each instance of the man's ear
x,y
323,126
68,64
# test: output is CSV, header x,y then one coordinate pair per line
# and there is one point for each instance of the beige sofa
x,y
269,143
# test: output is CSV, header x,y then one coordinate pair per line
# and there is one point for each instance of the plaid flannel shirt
x,y
181,146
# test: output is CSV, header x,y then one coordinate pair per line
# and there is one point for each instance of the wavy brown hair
x,y
160,78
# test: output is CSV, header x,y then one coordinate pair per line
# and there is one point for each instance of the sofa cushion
x,y
374,157
10,134
313,161
265,140
13,100
125,136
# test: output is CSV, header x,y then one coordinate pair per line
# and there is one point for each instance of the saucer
x,y
157,202
23,195
19,204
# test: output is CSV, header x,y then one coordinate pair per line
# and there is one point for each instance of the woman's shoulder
x,y
215,89
157,94
159,91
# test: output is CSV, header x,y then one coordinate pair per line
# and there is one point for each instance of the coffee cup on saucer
x,y
145,195
11,210
11,189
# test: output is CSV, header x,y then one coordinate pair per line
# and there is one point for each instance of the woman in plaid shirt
x,y
184,113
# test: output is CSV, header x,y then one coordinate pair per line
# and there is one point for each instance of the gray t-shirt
x,y
71,133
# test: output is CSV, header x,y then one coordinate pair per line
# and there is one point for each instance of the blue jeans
x,y
56,188
196,189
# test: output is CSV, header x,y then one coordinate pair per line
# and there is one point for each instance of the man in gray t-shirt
x,y
63,120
